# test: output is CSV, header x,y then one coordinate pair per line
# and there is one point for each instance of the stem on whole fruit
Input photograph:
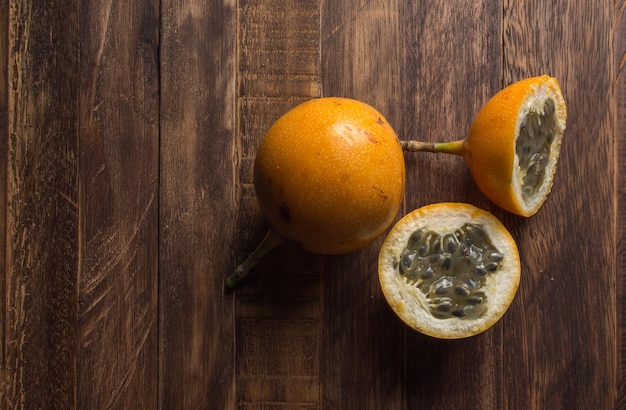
x,y
269,242
454,147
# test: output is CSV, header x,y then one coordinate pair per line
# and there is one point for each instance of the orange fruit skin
x,y
330,175
491,132
489,148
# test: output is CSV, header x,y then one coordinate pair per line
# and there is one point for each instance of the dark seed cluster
x,y
451,269
533,146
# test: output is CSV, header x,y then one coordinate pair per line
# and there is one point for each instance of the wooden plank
x,y
562,350
39,203
119,177
363,352
453,73
277,314
619,112
4,159
404,59
198,203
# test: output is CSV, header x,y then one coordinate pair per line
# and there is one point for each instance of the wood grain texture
x,y
198,203
618,37
117,356
128,134
4,158
277,316
40,203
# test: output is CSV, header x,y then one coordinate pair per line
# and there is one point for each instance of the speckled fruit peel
x,y
328,175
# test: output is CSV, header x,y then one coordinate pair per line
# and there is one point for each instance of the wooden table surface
x,y
128,134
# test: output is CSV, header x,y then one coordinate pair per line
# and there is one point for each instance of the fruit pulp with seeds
x,y
533,147
450,270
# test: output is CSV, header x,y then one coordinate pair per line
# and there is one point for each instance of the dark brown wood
x,y
278,314
618,104
198,204
40,205
117,351
128,134
4,146
554,270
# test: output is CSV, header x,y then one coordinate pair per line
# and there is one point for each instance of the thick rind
x,y
411,305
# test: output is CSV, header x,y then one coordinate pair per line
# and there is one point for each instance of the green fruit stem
x,y
269,242
454,147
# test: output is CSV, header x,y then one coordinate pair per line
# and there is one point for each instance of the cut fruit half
x,y
513,145
449,270
524,123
